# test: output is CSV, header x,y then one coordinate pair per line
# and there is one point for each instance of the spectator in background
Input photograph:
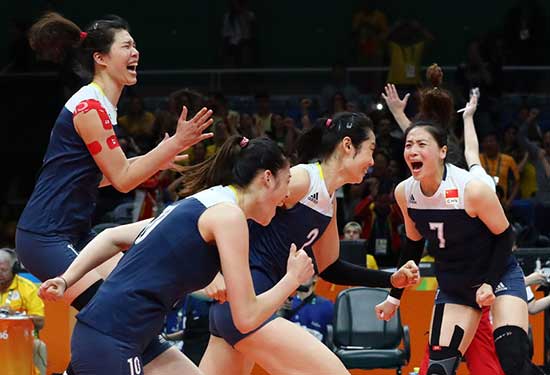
x,y
354,231
20,296
306,115
221,112
369,26
339,84
221,134
284,133
369,30
337,105
380,219
248,127
389,138
476,72
188,324
139,124
262,117
540,157
407,41
501,167
310,311
239,35
166,120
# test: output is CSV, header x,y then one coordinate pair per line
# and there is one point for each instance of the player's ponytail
x,y
319,142
237,162
436,103
55,38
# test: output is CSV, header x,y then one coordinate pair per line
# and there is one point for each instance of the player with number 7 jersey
x,y
343,147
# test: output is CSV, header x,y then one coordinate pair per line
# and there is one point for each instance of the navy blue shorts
x,y
512,283
49,256
221,321
93,353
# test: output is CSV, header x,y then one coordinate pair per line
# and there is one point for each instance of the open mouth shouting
x,y
416,166
132,68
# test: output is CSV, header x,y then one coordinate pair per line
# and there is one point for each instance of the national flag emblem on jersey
x,y
451,196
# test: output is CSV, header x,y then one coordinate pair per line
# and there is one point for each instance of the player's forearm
x,y
139,170
105,181
539,305
346,273
471,143
250,315
101,248
402,120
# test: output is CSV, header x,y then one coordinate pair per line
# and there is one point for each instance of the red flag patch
x,y
451,193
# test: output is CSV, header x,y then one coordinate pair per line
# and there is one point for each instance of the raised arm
x,y
397,106
97,133
227,226
103,247
471,143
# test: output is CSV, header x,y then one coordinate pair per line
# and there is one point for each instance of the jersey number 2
x,y
311,236
440,234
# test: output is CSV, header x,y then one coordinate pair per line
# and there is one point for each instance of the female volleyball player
x,y
471,239
83,153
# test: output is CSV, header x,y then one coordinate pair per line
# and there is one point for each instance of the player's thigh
x,y
171,362
510,310
222,358
284,348
453,324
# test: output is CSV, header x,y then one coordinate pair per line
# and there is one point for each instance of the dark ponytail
x,y
437,107
55,38
237,162
319,142
436,103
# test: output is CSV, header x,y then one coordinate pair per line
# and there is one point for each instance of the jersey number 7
x,y
440,234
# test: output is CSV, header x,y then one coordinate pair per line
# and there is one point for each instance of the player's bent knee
x,y
443,360
512,346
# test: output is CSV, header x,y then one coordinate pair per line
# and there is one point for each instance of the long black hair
x,y
320,141
237,162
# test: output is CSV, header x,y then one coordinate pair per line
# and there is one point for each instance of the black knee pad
x,y
85,297
443,360
512,346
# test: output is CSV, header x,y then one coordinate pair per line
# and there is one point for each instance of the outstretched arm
x,y
104,246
